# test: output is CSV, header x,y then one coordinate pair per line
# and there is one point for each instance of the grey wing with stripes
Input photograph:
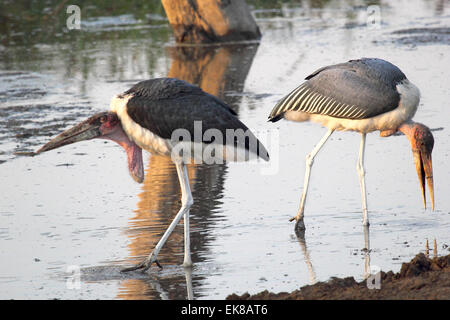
x,y
357,89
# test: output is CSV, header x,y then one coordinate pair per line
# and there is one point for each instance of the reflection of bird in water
x,y
158,204
301,239
360,95
367,269
146,117
312,274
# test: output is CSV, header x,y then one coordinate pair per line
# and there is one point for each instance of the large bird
x,y
362,95
173,118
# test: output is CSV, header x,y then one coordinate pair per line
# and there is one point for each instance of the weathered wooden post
x,y
207,21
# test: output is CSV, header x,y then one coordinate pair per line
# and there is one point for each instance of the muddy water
x,y
75,213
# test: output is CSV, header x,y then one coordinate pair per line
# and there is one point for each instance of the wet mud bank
x,y
421,278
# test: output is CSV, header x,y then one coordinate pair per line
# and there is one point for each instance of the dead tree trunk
x,y
208,21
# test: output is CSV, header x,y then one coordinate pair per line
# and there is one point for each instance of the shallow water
x,y
76,208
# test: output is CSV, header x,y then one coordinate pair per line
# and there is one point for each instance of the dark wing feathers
x,y
356,89
165,104
170,88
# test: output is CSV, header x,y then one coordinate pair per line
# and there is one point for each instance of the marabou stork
x,y
360,95
146,117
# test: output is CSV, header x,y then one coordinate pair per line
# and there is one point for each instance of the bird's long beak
x,y
422,160
85,130
422,143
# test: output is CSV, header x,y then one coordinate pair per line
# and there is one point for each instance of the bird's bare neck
x,y
407,128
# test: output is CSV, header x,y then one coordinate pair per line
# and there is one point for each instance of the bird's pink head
x,y
103,125
422,143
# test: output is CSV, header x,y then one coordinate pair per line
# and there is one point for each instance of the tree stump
x,y
209,21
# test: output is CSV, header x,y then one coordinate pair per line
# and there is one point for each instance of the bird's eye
x,y
102,119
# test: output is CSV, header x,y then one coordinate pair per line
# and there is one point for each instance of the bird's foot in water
x,y
144,265
299,224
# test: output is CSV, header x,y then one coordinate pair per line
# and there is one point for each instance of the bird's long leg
x,y
300,225
190,291
367,271
186,202
362,183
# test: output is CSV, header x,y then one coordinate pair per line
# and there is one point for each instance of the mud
x,y
421,278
